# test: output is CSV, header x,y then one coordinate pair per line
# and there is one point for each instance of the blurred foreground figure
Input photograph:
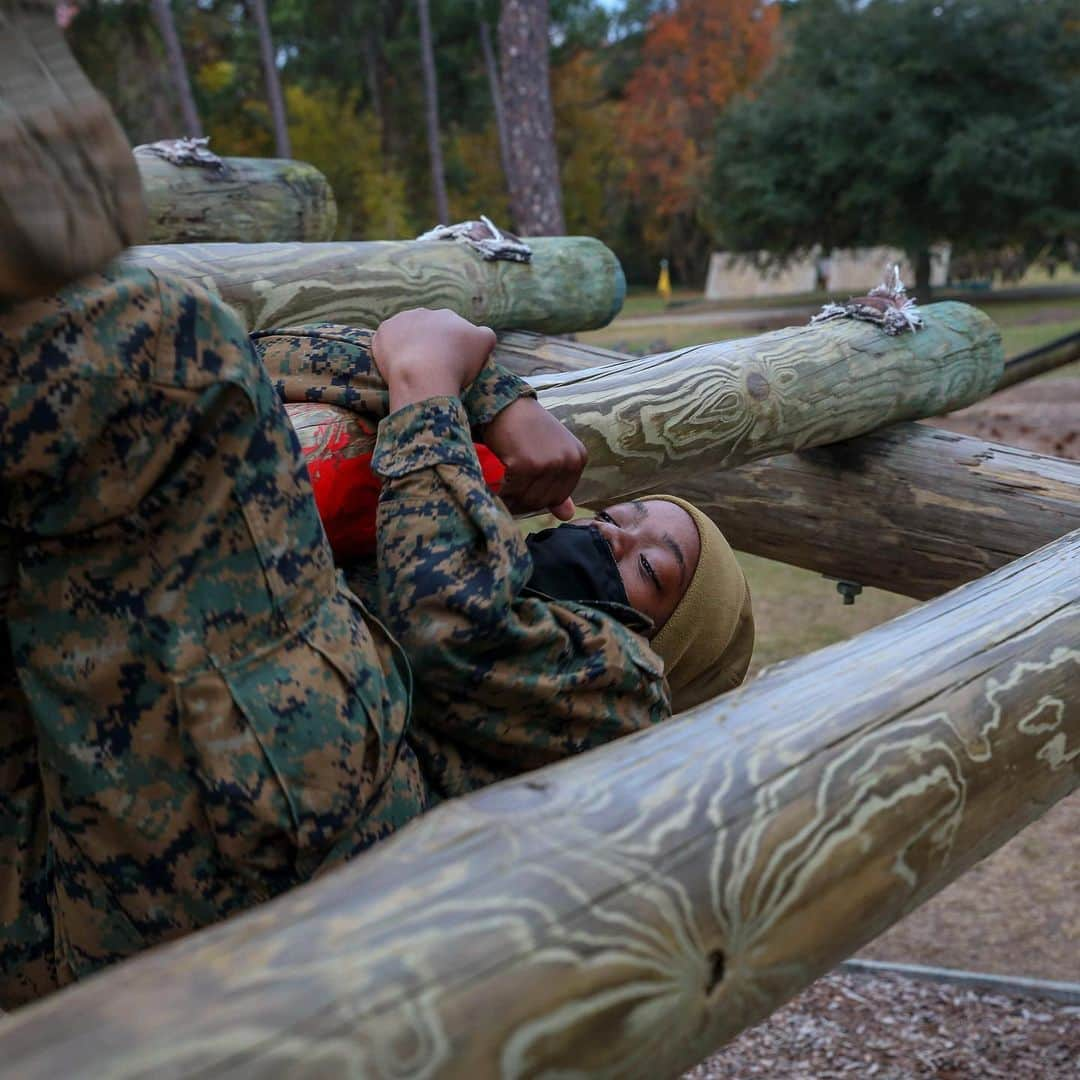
x,y
196,713
70,196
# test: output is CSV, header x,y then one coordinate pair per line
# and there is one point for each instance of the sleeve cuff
x,y
431,432
491,391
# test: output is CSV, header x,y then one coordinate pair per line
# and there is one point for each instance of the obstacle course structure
x,y
625,912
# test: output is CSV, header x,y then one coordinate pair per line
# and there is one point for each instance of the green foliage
x,y
345,144
906,122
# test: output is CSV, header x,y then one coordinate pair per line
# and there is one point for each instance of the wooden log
x,y
662,418
536,354
526,353
910,508
625,912
1048,357
248,200
572,283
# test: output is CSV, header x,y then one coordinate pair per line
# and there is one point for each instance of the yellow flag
x,y
663,285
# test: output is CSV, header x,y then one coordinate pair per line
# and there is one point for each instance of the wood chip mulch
x,y
892,1028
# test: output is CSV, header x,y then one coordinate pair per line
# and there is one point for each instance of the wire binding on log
x,y
186,151
484,237
887,306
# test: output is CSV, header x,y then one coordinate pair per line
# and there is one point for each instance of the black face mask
x,y
574,562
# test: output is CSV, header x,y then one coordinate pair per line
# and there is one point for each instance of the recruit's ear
x,y
70,196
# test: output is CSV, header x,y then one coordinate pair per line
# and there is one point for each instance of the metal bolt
x,y
848,590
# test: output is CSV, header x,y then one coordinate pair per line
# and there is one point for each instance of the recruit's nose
x,y
616,537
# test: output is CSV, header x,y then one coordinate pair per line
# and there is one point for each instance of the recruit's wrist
x,y
410,384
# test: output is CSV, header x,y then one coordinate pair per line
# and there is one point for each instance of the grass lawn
x,y
797,611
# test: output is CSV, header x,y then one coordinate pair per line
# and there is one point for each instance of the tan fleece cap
x,y
707,643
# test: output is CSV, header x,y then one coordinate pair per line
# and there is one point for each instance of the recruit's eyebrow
x,y
640,512
675,548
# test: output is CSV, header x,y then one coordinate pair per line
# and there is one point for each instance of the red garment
x,y
338,447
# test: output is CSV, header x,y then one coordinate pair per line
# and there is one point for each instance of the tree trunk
x,y
431,102
274,96
496,98
174,56
921,262
535,189
371,66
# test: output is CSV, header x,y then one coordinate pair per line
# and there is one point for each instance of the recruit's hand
x,y
543,460
422,353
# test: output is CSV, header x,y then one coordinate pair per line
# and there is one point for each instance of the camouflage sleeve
x,y
491,391
505,683
332,364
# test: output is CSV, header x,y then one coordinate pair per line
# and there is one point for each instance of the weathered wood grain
x,y
248,200
572,283
623,913
660,418
910,508
528,353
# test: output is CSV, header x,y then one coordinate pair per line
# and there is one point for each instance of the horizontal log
x,y
573,282
536,354
717,406
910,508
246,200
625,912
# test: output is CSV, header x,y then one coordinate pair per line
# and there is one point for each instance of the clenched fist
x,y
543,460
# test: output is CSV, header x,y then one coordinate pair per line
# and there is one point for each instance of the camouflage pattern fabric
x,y
196,713
212,716
330,363
503,683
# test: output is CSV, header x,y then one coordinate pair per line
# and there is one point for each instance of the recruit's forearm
x,y
333,365
515,677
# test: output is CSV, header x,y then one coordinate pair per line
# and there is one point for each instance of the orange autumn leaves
x,y
695,59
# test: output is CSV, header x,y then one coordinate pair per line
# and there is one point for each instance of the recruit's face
x,y
656,547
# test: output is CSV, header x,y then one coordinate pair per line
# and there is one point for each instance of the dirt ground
x,y
895,1029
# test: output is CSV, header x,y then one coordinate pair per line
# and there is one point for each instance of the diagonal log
x,y
1054,354
624,913
663,418
572,283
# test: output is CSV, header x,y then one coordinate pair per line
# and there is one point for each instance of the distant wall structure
x,y
733,276
854,270
850,271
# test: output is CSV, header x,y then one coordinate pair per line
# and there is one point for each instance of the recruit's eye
x,y
603,515
649,572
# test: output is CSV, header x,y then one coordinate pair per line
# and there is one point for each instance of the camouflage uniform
x,y
197,714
